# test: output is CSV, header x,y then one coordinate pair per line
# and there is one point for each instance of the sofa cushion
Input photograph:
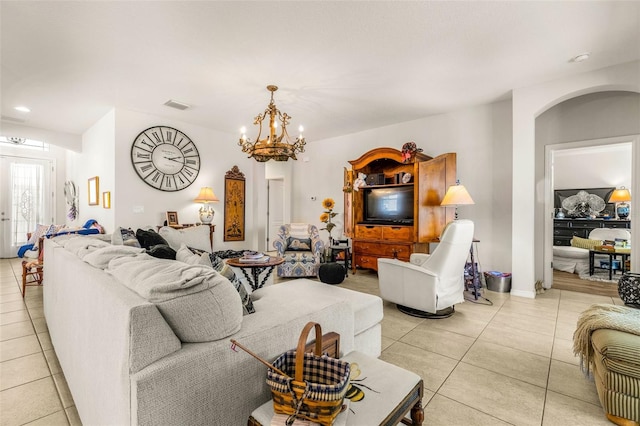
x,y
585,243
219,265
194,236
570,252
199,304
618,351
367,308
162,251
149,238
184,254
101,257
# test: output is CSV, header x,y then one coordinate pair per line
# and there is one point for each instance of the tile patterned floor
x,y
510,363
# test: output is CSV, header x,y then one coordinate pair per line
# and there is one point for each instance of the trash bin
x,y
498,281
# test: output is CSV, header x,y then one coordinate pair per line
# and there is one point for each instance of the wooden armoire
x,y
385,167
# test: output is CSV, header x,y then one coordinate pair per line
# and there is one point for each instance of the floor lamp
x,y
457,195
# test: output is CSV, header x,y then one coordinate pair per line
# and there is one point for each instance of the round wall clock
x,y
165,158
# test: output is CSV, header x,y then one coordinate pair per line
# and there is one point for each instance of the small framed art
x,y
172,218
106,199
94,191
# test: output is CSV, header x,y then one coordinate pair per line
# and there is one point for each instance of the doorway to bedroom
x,y
583,176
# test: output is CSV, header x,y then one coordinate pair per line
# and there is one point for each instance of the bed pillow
x,y
219,265
585,243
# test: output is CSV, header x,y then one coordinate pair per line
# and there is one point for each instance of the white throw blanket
x,y
599,316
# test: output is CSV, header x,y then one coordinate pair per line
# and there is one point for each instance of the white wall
x,y
528,191
96,159
479,135
107,154
598,167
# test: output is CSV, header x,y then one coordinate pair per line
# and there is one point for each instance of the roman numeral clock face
x,y
165,158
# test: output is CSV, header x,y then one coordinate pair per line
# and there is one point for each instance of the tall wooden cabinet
x,y
430,178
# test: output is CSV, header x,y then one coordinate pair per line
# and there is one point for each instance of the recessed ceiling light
x,y
581,57
22,109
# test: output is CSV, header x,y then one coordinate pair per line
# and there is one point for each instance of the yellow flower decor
x,y
328,204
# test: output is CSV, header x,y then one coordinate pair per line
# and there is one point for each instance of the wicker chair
x,y
301,247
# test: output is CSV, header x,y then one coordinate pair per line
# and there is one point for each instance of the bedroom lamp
x,y
456,195
620,197
205,197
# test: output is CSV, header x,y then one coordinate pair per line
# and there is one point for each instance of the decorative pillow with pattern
x,y
298,244
124,236
223,269
585,243
41,231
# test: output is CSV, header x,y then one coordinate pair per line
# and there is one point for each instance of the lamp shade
x,y
456,195
206,195
620,195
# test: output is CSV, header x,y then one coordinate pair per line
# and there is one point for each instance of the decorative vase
x,y
623,210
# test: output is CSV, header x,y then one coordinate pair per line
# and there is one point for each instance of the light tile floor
x,y
510,363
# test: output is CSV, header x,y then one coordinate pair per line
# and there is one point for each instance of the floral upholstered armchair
x,y
301,247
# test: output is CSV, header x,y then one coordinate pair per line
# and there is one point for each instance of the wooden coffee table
x,y
256,268
391,393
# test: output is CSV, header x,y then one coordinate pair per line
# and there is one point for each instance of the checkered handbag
x,y
629,289
313,385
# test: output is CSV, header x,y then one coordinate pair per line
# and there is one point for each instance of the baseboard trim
x,y
523,293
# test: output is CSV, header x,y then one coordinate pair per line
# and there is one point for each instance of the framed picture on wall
x,y
94,191
172,218
234,196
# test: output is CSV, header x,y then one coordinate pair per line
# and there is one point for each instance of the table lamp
x,y
205,197
620,197
456,195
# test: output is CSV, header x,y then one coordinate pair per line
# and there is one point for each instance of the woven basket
x,y
314,385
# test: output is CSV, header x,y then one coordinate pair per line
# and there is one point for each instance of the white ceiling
x,y
342,67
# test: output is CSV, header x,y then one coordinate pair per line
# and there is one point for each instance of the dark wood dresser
x,y
565,229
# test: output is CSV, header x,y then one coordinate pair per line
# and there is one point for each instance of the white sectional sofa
x,y
575,259
125,364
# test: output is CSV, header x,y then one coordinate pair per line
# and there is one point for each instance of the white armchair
x,y
429,286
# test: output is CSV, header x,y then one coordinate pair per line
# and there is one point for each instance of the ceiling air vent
x,y
177,105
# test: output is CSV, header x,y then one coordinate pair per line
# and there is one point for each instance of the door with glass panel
x,y
25,200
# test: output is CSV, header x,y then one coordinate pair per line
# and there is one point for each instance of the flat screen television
x,y
393,205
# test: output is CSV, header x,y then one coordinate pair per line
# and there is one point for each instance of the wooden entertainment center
x,y
385,167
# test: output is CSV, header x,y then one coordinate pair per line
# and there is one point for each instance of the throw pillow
x,y
162,251
41,231
184,254
124,236
149,238
585,243
193,236
298,244
223,269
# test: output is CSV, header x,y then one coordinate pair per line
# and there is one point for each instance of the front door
x,y
25,200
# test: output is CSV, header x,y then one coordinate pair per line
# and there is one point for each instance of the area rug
x,y
601,275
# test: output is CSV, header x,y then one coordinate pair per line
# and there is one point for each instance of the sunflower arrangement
x,y
328,204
